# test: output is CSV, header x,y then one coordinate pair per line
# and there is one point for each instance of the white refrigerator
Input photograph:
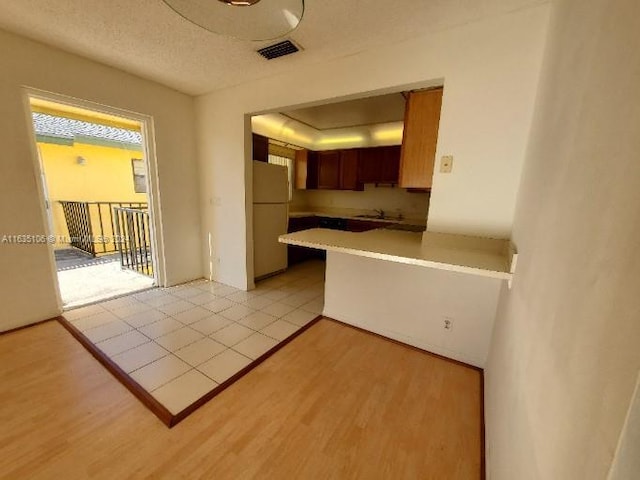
x,y
270,218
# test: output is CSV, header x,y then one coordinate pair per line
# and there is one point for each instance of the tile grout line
x,y
242,298
169,352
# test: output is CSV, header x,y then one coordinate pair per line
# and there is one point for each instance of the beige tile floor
x,y
179,343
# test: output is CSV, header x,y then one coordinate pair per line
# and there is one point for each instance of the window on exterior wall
x,y
139,175
285,162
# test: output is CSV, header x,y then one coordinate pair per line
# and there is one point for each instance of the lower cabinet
x,y
300,254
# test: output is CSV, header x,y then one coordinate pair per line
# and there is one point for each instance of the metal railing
x,y
134,240
86,219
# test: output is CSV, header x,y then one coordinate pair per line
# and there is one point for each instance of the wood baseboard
x,y
457,362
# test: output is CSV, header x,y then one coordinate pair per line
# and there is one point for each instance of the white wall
x,y
490,71
27,280
566,348
391,200
410,303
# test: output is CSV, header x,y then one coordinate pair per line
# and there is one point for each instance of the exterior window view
x,y
96,202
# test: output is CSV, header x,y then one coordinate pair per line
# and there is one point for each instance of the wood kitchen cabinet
x,y
349,170
338,170
390,165
301,164
379,164
329,170
306,170
422,118
302,223
297,254
260,147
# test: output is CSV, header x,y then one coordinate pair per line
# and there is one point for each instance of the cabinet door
x,y
302,223
260,147
389,164
422,117
349,170
312,170
329,170
379,164
370,164
299,254
301,169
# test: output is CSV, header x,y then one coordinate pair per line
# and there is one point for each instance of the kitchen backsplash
x,y
391,200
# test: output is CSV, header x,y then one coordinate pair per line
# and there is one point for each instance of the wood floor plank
x,y
335,403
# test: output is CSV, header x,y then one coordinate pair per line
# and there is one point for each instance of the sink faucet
x,y
380,212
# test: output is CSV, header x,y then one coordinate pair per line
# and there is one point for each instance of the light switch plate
x,y
446,164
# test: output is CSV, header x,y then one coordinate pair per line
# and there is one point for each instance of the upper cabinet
x,y
347,169
260,147
301,165
422,118
338,170
379,164
329,170
306,170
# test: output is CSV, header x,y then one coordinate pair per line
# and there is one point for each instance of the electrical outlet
x,y
448,323
446,164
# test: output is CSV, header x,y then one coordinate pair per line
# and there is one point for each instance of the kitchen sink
x,y
383,218
406,228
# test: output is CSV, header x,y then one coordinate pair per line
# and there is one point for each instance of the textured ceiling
x,y
147,38
363,111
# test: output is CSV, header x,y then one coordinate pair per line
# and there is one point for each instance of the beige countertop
x,y
473,255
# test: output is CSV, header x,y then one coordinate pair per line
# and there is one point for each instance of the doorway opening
x,y
93,168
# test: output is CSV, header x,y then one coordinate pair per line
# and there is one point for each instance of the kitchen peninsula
x,y
438,292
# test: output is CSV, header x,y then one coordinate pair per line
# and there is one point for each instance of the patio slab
x,y
93,283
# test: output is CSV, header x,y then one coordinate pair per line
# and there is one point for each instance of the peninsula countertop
x,y
487,257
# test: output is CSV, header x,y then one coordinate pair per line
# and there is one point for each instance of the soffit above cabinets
x,y
353,113
363,122
293,133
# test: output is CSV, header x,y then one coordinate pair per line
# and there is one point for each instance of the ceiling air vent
x,y
278,50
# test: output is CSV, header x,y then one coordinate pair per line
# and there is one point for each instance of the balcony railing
x,y
106,227
134,245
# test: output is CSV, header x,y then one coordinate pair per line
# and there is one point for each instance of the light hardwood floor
x,y
334,403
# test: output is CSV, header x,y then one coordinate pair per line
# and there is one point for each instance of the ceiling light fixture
x,y
265,20
240,3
